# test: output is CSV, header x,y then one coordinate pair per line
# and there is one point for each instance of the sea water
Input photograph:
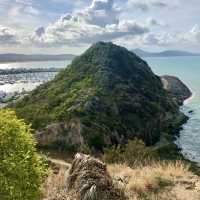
x,y
33,65
188,70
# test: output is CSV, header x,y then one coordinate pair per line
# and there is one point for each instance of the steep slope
x,y
106,96
176,87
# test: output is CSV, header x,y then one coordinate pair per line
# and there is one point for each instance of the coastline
x,y
186,101
194,166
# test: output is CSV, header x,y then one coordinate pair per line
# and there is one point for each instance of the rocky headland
x,y
109,103
176,87
107,96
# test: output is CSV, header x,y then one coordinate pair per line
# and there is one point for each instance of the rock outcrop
x,y
176,87
88,179
107,96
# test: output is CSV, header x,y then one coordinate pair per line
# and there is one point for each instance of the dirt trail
x,y
59,162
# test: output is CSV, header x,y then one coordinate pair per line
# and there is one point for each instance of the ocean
x,y
186,68
30,65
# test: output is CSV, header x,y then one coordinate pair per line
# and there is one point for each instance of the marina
x,y
17,82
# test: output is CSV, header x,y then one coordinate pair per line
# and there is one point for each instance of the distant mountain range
x,y
168,53
11,57
35,57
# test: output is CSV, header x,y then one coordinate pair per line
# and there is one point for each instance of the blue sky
x,y
70,26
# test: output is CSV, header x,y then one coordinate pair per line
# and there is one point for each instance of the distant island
x,y
5,58
12,57
168,53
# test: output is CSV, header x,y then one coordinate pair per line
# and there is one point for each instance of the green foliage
x,y
56,100
134,154
21,169
110,90
86,149
114,155
96,141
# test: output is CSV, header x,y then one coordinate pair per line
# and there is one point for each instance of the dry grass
x,y
55,182
162,181
159,181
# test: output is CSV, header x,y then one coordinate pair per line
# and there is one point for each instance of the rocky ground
x,y
88,178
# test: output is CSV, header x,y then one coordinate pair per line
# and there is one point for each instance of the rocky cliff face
x,y
106,96
176,87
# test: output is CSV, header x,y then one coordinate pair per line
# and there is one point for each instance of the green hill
x,y
106,96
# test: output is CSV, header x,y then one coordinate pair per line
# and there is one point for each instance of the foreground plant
x,y
21,168
135,153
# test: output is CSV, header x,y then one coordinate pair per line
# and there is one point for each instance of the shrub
x,y
114,155
135,153
21,168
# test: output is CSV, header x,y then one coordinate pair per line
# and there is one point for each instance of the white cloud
x,y
101,20
97,22
151,22
8,36
24,2
188,38
101,13
145,5
160,39
163,39
193,35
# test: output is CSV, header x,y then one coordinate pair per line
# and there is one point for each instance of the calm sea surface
x,y
186,68
45,64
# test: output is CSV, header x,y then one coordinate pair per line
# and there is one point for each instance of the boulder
x,y
89,180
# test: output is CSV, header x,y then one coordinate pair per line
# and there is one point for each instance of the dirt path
x,y
59,162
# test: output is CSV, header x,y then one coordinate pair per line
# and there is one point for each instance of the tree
x,y
21,168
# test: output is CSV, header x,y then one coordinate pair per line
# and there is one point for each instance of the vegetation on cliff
x,y
21,169
111,93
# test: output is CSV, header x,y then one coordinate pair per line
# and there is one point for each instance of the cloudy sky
x,y
70,26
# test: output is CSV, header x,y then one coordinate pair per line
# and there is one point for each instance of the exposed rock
x,y
106,96
89,180
176,87
63,135
191,112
